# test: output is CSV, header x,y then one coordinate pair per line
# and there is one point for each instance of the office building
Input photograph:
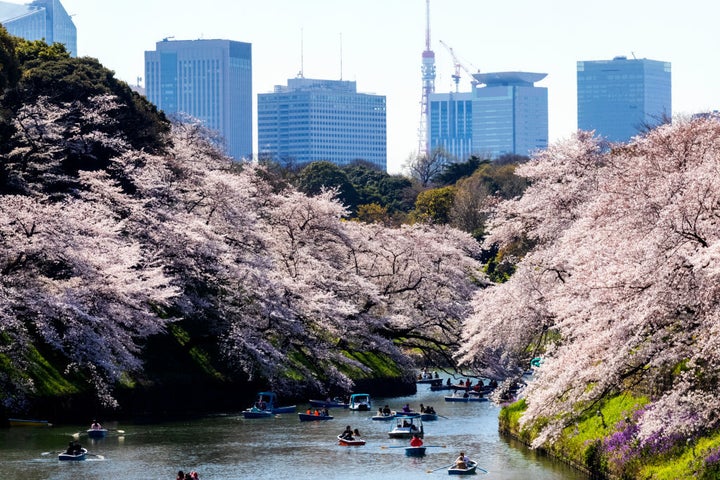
x,y
40,20
620,98
210,80
310,120
450,124
505,113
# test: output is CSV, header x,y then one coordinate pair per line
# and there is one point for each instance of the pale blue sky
x,y
382,41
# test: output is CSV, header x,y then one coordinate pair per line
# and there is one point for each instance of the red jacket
x,y
416,442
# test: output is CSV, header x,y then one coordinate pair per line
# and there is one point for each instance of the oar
x,y
443,416
410,446
440,468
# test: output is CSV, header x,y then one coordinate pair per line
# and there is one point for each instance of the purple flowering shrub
x,y
711,465
624,449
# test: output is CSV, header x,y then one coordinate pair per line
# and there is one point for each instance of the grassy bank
x,y
601,444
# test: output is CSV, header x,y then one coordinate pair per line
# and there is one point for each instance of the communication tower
x,y
428,86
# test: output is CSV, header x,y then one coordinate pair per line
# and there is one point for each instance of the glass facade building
x,y
450,125
210,80
507,114
40,20
310,120
618,98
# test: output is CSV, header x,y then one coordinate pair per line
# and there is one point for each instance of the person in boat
x,y
317,412
429,409
76,448
95,425
180,475
448,382
422,408
308,411
347,434
71,449
416,441
325,412
356,433
386,410
462,461
406,408
436,375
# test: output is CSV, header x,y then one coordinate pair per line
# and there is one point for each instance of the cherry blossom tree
x,y
620,291
107,243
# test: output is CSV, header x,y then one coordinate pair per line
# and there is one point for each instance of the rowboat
x,y
406,427
254,412
266,406
360,402
428,417
415,451
311,417
334,403
470,470
436,388
457,399
97,432
383,417
64,456
355,442
19,422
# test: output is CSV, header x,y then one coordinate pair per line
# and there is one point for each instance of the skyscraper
x,y
618,98
40,20
450,124
508,115
210,80
310,120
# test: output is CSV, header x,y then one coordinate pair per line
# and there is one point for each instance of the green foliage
x,y
9,64
454,172
372,213
319,176
501,180
392,192
49,71
434,205
37,50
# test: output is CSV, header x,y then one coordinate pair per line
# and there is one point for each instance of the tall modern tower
x,y
210,80
505,113
618,98
310,120
428,86
40,20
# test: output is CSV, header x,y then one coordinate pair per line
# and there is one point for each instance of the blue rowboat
x,y
76,457
311,417
415,451
97,432
469,470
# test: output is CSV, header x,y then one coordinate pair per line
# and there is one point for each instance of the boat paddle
x,y
440,468
409,446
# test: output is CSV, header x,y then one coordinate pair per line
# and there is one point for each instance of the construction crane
x,y
458,65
